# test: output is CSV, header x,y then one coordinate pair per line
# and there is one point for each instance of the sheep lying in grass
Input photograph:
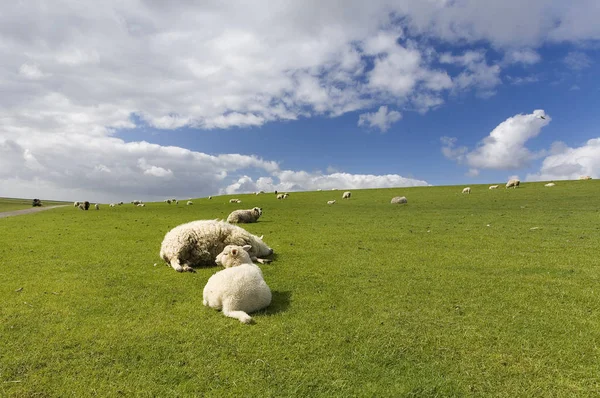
x,y
467,190
347,195
235,201
493,187
245,216
199,242
189,203
550,184
331,202
513,183
141,205
238,289
399,199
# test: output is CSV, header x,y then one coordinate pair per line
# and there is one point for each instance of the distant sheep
x,y
111,205
331,202
550,184
237,290
280,196
84,205
347,195
137,202
399,199
168,201
199,242
467,190
584,178
76,204
141,205
189,203
97,206
285,195
245,216
513,182
120,203
493,187
235,201
210,197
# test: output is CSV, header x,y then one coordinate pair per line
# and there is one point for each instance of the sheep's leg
x,y
187,268
239,315
176,266
261,260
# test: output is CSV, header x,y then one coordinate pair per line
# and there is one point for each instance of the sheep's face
x,y
233,255
259,248
257,211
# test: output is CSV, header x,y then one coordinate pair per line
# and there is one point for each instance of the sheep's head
x,y
233,255
257,211
259,248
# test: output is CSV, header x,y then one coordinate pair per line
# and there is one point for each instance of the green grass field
x,y
496,294
10,204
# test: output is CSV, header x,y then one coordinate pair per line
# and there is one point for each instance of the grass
x,y
10,204
489,294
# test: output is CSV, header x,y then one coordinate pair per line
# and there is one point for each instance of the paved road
x,y
27,211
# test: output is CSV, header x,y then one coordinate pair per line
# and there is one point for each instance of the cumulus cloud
x,y
382,119
522,56
478,73
577,60
504,148
565,163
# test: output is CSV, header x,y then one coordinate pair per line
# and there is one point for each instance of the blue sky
x,y
147,100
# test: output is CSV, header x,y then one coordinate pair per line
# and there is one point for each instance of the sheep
x,y
584,178
493,187
189,203
199,242
237,290
97,206
245,216
285,195
120,203
168,201
210,197
399,199
330,202
467,190
550,184
141,205
319,189
76,204
513,182
176,202
111,205
235,201
233,255
280,196
347,195
137,202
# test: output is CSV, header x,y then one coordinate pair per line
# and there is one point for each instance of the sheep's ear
x,y
247,247
261,237
234,252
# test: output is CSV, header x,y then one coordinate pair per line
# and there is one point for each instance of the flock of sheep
x,y
514,182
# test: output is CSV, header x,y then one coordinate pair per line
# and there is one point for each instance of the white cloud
x,y
381,119
451,151
504,148
577,60
478,73
31,72
565,163
472,173
525,56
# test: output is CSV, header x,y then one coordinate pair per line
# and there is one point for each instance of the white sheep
x,y
513,182
399,199
111,205
347,195
245,216
493,187
331,202
76,204
120,203
235,201
285,195
210,197
168,201
239,289
550,184
199,243
234,255
584,178
280,196
467,190
189,203
97,206
141,205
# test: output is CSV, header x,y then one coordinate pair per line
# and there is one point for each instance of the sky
x,y
146,99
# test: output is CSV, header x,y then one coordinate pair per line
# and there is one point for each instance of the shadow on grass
x,y
279,303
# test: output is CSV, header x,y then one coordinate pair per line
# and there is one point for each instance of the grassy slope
x,y
370,299
10,204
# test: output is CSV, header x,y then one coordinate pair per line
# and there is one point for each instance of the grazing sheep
x,y
210,197
330,202
168,201
245,216
199,243
120,203
513,182
550,184
280,196
493,187
137,202
76,204
347,195
111,205
467,190
584,178
399,199
285,195
141,205
189,202
97,206
237,290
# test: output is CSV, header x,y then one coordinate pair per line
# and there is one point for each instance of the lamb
x,y
234,255
199,242
399,200
330,202
238,289
189,202
245,216
97,206
513,182
493,187
550,184
467,190
347,195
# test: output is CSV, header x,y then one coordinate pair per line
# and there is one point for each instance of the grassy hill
x,y
489,294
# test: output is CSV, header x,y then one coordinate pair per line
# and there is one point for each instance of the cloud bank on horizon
x,y
73,80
